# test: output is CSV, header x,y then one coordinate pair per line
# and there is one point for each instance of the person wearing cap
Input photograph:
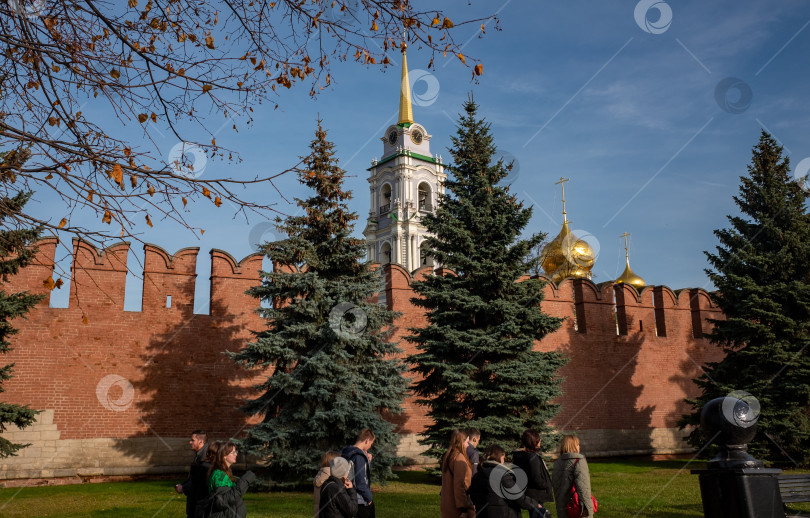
x,y
338,497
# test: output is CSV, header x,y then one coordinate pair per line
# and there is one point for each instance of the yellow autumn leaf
x,y
48,283
142,118
217,201
115,73
107,217
151,191
185,201
374,26
59,283
209,41
133,3
62,223
133,180
447,24
154,117
90,194
206,88
479,69
435,21
206,192
148,221
50,175
461,57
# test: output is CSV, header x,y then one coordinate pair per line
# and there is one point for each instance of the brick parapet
x,y
174,376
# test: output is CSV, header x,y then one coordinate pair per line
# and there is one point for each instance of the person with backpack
x,y
338,497
360,457
528,459
571,470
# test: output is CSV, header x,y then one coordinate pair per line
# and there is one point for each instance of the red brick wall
x,y
172,376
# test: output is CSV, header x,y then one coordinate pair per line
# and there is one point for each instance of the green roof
x,y
404,152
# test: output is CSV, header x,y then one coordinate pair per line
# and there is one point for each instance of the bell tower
x,y
404,185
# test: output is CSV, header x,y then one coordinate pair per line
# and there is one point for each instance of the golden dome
x,y
628,277
567,256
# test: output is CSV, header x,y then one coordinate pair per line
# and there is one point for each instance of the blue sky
x,y
651,117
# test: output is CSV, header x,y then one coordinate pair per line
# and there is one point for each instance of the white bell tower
x,y
404,186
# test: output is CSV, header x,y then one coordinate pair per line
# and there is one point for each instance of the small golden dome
x,y
567,256
628,277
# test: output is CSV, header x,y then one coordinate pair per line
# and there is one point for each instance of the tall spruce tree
x,y
477,364
15,253
761,270
334,370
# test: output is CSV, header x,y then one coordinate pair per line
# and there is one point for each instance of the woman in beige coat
x,y
456,477
571,468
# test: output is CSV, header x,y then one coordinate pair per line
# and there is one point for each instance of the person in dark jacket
x,y
529,460
338,497
195,487
210,458
360,457
226,491
495,491
473,438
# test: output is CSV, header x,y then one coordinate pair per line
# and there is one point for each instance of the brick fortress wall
x,y
121,390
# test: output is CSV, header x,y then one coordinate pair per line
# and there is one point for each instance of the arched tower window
x,y
385,199
385,253
424,197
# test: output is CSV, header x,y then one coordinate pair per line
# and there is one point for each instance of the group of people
x,y
342,485
470,488
211,489
494,489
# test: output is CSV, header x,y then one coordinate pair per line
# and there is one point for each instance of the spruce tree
x,y
15,253
477,365
334,370
760,269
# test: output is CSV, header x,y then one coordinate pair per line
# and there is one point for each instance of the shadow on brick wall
x,y
189,384
601,397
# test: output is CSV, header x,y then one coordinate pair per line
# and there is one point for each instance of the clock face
x,y
392,137
416,136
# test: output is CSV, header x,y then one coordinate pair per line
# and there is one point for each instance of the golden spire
x,y
405,110
628,277
567,255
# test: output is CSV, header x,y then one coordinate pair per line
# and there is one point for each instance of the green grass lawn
x,y
624,489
